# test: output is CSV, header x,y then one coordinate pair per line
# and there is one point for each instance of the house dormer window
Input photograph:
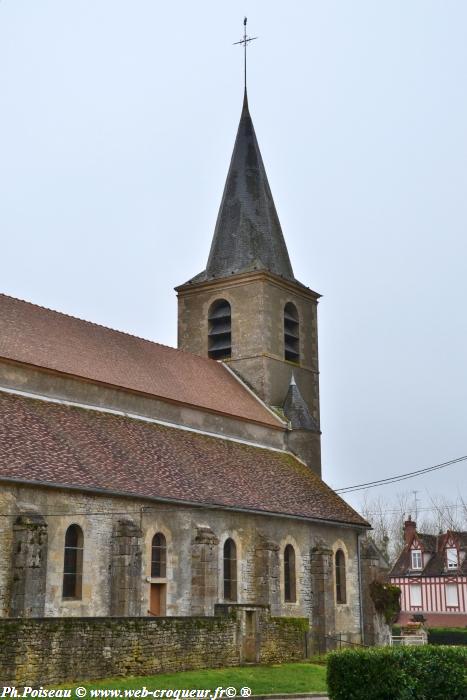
x,y
417,559
452,558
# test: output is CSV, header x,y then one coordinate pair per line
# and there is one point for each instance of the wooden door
x,y
157,599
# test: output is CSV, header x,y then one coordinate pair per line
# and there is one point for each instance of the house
x,y
431,572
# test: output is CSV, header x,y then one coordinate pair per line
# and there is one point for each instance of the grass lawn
x,y
263,680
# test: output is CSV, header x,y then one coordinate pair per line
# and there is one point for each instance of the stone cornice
x,y
244,278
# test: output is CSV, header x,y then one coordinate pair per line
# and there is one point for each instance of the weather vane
x,y
245,41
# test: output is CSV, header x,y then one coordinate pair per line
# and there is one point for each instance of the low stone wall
x,y
47,651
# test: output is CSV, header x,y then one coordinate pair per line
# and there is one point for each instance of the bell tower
x,y
247,309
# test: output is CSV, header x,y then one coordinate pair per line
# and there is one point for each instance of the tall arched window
x,y
220,330
341,593
290,588
73,563
291,333
158,556
230,570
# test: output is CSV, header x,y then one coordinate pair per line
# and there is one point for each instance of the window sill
x,y
156,579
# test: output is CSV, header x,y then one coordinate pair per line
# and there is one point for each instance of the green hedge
x,y
441,635
447,635
398,673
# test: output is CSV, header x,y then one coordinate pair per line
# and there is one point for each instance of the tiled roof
x,y
428,542
37,336
70,446
434,545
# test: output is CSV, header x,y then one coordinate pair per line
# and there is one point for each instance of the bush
x,y
398,673
447,635
386,599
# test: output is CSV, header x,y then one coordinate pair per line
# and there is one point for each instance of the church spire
x,y
248,234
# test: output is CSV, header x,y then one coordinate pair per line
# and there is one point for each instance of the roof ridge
x,y
101,325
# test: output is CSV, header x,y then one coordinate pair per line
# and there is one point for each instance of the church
x,y
142,480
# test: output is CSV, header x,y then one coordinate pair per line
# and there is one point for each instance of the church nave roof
x,y
63,445
40,337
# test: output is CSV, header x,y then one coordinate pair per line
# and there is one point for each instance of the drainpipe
x,y
359,534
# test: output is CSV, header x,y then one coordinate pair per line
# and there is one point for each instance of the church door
x,y
157,599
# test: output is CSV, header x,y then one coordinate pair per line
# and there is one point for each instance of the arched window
x,y
230,570
158,556
291,333
290,589
220,330
73,563
341,593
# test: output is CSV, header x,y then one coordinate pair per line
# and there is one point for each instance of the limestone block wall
x,y
51,651
117,558
257,301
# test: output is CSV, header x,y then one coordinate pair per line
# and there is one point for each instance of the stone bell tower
x,y
247,309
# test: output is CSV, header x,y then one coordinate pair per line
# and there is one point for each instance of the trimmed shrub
x,y
398,673
447,635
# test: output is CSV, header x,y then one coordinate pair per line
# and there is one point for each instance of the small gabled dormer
x,y
416,557
419,547
451,553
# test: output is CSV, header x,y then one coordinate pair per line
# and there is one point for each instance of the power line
x,y
401,511
399,477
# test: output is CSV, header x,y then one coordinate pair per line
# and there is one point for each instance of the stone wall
x,y
46,651
117,558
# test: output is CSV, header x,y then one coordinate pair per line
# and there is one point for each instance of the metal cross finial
x,y
245,41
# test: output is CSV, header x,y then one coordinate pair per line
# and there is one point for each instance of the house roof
x,y
37,336
428,542
435,546
248,234
62,445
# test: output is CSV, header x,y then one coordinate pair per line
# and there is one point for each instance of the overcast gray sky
x,y
117,124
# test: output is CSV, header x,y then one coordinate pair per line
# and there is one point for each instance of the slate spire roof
x,y
248,233
296,409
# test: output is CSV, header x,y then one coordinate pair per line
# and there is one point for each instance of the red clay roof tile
x,y
70,446
37,336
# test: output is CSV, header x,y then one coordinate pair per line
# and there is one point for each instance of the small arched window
x,y
158,556
220,330
291,333
290,589
73,563
230,570
341,593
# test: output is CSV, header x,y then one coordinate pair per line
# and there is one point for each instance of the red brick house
x,y
431,572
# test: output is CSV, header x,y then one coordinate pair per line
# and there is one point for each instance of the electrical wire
x,y
399,477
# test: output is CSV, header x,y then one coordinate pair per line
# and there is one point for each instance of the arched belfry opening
x,y
220,330
291,333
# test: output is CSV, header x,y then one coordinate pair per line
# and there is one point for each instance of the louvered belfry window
x,y
220,330
291,333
